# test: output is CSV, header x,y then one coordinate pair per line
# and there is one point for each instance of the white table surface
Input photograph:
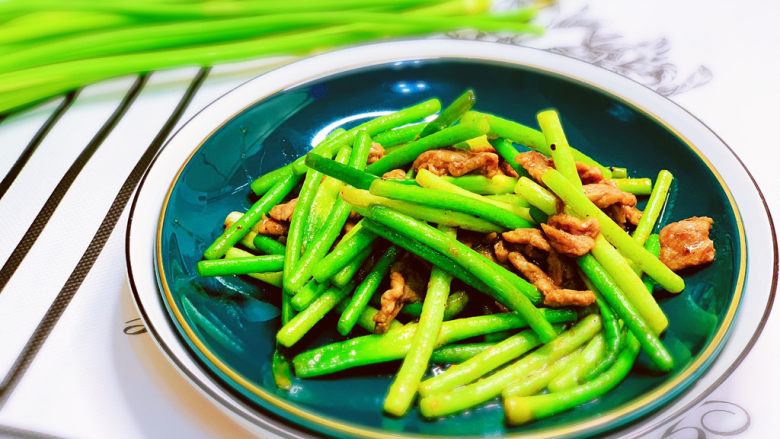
x,y
99,374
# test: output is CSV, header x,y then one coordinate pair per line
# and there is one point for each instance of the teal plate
x,y
229,323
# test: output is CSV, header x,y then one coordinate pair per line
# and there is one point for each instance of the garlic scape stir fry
x,y
516,263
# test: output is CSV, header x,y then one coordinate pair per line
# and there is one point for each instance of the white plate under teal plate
x,y
143,226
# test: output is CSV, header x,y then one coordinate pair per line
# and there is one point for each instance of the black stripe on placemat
x,y
20,433
46,212
35,141
87,260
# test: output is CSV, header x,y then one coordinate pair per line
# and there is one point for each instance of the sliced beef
x,y
566,297
532,273
562,271
536,164
553,295
405,282
622,214
507,169
375,153
457,163
501,252
395,174
604,195
533,237
283,212
269,226
571,236
589,174
687,243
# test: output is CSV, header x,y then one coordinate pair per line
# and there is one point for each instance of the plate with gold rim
x,y
219,332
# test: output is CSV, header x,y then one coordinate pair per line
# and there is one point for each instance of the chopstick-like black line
x,y
9,178
89,257
46,212
20,433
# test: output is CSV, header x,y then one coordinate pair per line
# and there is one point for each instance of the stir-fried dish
x,y
495,250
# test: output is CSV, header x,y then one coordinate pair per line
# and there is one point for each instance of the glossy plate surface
x,y
228,324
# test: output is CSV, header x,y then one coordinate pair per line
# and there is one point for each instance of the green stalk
x,y
296,328
429,180
635,322
393,345
326,197
442,404
409,152
42,25
630,283
363,199
560,151
449,200
365,291
167,11
534,139
481,364
479,184
636,186
253,264
333,225
255,213
399,136
267,245
366,318
536,382
493,275
298,225
353,242
308,294
456,302
506,150
585,362
579,203
161,36
273,278
510,199
618,172
523,409
458,353
536,195
248,240
428,254
404,387
451,114
350,270
654,206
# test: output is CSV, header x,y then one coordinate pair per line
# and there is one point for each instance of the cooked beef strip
x,y
687,243
534,163
571,236
604,195
566,297
589,174
375,153
283,212
507,169
553,295
458,163
533,237
406,285
395,174
269,226
622,214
